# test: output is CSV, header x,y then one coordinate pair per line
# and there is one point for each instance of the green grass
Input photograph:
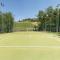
x,y
23,26
29,39
29,54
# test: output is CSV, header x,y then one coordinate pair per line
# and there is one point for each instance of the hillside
x,y
23,26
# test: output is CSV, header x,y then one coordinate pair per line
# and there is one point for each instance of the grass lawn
x,y
29,39
23,26
29,54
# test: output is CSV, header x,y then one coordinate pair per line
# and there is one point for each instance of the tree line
x,y
49,19
6,22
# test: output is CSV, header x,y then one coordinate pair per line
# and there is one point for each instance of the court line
x,y
29,46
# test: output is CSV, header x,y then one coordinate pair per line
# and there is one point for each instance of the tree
x,y
41,19
0,22
50,16
49,19
9,21
6,22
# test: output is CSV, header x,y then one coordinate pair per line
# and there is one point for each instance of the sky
x,y
22,9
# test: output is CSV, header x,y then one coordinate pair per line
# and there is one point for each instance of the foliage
x,y
23,26
6,22
50,19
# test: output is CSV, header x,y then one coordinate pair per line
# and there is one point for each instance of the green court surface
x,y
29,54
29,39
21,39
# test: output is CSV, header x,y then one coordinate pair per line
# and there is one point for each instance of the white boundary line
x,y
29,46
